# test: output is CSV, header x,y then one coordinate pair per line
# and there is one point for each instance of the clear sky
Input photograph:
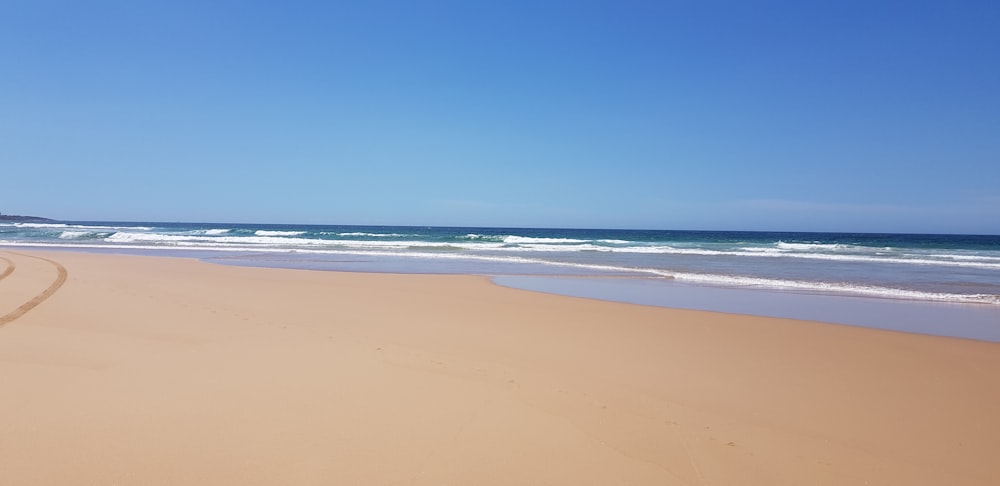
x,y
797,115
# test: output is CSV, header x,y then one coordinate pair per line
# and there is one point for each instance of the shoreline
x,y
977,321
939,268
147,369
957,320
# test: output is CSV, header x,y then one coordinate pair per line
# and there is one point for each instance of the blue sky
x,y
798,115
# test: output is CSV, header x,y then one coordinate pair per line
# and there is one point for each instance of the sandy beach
x,y
144,370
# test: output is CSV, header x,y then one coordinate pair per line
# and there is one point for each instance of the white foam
x,y
81,226
126,237
527,248
516,240
810,246
708,279
971,258
868,290
203,240
69,235
40,225
281,243
526,245
912,260
672,251
474,236
374,235
278,233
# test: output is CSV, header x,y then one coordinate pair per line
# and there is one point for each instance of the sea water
x,y
954,271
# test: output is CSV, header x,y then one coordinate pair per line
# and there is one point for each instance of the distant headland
x,y
13,218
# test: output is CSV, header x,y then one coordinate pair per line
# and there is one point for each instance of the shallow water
x,y
941,268
970,321
621,284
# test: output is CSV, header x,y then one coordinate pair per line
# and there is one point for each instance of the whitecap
x,y
516,240
278,233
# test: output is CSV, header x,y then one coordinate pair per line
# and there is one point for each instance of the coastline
x,y
143,369
949,319
958,320
911,267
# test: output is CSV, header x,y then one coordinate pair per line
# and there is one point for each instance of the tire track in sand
x,y
38,299
9,270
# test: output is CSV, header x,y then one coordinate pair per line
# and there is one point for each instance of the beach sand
x,y
143,370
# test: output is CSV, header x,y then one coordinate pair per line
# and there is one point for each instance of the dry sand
x,y
143,370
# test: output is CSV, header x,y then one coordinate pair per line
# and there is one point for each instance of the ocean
x,y
959,270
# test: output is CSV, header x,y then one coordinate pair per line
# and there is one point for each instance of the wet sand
x,y
145,370
962,320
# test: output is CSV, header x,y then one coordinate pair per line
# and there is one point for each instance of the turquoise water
x,y
938,268
936,284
